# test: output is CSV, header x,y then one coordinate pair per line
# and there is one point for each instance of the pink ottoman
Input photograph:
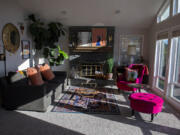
x,y
146,103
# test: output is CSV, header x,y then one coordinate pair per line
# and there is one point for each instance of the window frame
x,y
171,82
168,92
174,13
157,63
162,10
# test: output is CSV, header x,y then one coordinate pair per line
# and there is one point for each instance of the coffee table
x,y
139,86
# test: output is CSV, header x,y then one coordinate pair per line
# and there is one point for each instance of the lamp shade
x,y
131,50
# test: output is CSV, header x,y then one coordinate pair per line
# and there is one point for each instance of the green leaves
x,y
110,64
32,17
45,35
55,56
65,55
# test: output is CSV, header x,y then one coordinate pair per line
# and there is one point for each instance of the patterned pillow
x,y
34,76
46,72
131,75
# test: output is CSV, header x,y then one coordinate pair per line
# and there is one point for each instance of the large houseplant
x,y
110,64
45,37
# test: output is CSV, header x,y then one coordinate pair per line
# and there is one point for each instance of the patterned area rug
x,y
87,100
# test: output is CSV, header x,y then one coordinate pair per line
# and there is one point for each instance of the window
x,y
174,81
161,60
164,13
162,46
176,7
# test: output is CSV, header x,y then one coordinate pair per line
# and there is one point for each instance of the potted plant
x,y
110,64
55,56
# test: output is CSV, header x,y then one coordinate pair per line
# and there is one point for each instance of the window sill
x,y
175,99
175,15
164,20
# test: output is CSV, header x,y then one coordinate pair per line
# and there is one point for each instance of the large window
x,y
162,49
164,13
167,76
174,81
161,60
176,7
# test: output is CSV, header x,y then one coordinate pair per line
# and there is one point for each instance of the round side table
x,y
139,86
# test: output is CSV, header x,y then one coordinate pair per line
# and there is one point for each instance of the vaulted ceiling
x,y
122,13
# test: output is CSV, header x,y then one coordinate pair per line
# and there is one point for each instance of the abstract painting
x,y
99,37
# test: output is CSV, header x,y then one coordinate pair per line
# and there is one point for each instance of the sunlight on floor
x,y
164,123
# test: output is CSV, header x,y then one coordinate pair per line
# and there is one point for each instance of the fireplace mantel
x,y
91,49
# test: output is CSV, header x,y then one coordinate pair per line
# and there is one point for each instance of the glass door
x,y
174,81
161,62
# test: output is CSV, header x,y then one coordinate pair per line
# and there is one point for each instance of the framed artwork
x,y
25,49
130,40
1,48
84,39
99,36
2,57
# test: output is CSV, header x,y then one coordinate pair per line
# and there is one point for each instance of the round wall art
x,y
11,38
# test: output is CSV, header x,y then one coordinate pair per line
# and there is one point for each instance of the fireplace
x,y
89,48
88,64
91,69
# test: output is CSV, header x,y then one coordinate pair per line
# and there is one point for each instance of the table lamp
x,y
131,52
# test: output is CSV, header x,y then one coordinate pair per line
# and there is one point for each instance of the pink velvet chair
x,y
121,80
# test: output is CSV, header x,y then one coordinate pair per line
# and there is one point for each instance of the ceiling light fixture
x,y
117,12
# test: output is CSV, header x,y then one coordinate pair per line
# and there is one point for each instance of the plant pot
x,y
109,76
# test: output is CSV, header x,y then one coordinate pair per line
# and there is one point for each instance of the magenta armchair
x,y
121,80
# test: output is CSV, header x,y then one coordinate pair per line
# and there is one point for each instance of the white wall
x,y
10,12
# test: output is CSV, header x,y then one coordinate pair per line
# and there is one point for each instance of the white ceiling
x,y
133,13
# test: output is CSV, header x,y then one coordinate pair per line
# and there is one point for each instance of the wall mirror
x,y
11,38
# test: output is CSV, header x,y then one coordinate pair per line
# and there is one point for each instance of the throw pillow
x,y
131,75
34,76
46,72
18,76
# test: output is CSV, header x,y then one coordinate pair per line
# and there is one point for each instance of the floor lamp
x,y
131,52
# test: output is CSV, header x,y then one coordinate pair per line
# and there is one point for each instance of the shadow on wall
x,y
15,62
14,123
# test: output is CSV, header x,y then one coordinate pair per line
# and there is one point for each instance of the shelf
x,y
91,49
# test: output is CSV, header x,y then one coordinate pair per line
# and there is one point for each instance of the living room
x,y
102,67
